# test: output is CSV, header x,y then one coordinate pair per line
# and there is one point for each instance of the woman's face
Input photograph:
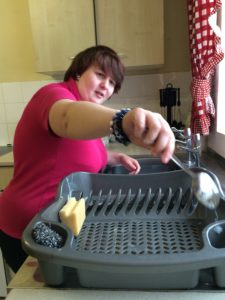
x,y
95,86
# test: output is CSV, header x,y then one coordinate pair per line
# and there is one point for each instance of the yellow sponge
x,y
73,214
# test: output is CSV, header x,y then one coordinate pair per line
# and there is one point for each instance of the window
x,y
216,139
220,124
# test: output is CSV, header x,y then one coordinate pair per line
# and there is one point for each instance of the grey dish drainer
x,y
141,232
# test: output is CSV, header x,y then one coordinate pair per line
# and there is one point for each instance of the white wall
x,y
141,90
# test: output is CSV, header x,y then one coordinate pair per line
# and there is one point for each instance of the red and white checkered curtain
x,y
206,53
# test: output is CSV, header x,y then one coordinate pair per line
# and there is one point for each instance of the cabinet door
x,y
3,284
61,29
133,28
6,174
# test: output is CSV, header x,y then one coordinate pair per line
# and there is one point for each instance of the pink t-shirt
x,y
42,159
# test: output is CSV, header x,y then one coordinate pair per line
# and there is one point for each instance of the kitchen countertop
x,y
59,294
28,284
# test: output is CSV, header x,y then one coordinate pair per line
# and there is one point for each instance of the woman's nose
x,y
105,83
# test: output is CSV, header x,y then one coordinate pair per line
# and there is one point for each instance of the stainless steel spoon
x,y
205,184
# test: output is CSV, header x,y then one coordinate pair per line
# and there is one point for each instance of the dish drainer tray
x,y
143,232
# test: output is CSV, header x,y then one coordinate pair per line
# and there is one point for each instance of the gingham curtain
x,y
206,53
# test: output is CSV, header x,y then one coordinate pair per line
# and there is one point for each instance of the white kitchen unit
x,y
6,173
134,28
3,283
61,29
59,294
6,169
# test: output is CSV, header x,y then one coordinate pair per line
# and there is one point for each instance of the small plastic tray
x,y
141,232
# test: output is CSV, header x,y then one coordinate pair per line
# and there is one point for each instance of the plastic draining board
x,y
145,231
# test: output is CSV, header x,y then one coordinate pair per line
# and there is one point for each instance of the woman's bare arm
x,y
86,120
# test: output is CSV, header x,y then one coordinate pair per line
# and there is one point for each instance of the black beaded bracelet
x,y
117,129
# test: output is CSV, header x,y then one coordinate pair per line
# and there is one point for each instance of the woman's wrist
x,y
114,158
116,127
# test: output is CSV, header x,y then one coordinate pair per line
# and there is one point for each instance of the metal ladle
x,y
205,184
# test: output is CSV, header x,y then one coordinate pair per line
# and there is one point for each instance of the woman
x,y
60,132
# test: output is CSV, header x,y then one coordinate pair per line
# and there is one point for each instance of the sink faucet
x,y
190,143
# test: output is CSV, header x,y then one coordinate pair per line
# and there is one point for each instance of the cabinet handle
x,y
71,57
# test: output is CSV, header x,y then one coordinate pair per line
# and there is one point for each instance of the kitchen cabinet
x,y
6,173
134,28
60,29
3,283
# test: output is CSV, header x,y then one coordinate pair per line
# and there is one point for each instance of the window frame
x,y
220,74
216,139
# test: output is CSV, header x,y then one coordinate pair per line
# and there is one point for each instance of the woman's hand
x,y
150,130
129,163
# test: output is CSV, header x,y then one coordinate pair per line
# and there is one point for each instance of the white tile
x,y
147,103
184,82
138,90
2,113
115,97
151,87
180,80
144,102
1,94
132,86
29,89
115,101
4,138
149,84
45,82
11,132
14,111
12,92
167,78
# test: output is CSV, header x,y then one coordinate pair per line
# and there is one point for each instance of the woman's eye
x,y
112,82
100,74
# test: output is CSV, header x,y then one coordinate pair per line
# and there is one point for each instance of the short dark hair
x,y
106,58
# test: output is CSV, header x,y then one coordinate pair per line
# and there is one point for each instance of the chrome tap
x,y
190,143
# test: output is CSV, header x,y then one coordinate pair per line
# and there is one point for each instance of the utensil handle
x,y
182,166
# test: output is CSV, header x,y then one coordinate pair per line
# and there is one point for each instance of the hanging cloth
x,y
205,53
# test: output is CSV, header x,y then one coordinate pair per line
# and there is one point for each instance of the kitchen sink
x,y
148,165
